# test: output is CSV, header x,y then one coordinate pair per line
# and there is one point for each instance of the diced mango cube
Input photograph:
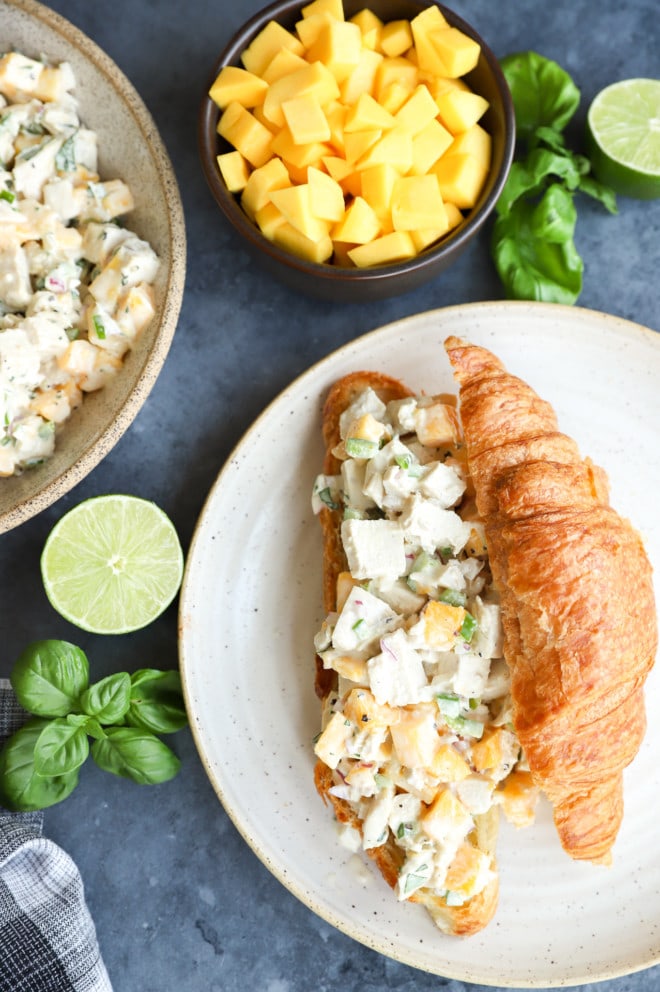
x,y
271,176
460,110
454,215
367,114
298,155
488,752
309,28
326,197
344,173
283,62
437,423
292,240
333,7
362,78
394,247
519,795
357,143
305,119
461,179
395,147
338,46
417,111
458,52
428,145
361,707
269,219
359,224
445,817
428,59
442,624
393,96
396,37
466,870
294,203
415,737
335,114
398,70
370,26
268,42
416,202
313,78
242,130
235,84
448,765
377,185
475,141
234,170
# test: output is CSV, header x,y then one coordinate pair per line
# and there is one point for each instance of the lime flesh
x,y
623,137
112,564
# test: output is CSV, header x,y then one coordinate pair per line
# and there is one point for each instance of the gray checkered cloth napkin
x,y
47,937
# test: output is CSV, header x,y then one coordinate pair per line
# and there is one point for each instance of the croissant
x,y
577,600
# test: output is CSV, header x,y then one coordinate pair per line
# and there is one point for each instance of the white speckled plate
x,y
251,604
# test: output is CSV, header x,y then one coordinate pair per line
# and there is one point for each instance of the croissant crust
x,y
578,607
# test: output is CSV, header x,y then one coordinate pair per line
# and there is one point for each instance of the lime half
x,y
112,564
623,137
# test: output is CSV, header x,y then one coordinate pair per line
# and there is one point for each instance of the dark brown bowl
x,y
351,285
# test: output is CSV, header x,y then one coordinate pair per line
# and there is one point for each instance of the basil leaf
x,y
136,754
108,700
531,269
61,747
543,93
49,676
156,701
554,217
528,177
21,788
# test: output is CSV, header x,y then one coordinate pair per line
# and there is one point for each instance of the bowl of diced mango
x,y
356,149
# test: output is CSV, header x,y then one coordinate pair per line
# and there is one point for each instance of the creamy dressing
x,y
75,286
418,733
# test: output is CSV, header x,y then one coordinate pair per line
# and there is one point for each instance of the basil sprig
x,y
122,714
532,242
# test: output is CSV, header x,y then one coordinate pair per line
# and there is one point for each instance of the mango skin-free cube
x,y
242,130
458,52
305,119
326,197
359,224
294,203
292,240
338,46
459,111
261,183
396,37
394,247
461,179
234,170
417,203
268,42
235,84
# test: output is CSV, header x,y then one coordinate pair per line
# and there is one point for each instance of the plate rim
x,y
237,817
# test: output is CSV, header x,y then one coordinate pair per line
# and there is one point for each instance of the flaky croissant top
x,y
577,599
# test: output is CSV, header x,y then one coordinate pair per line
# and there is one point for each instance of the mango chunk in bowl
x,y
356,149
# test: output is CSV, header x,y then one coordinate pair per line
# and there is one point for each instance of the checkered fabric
x,y
47,937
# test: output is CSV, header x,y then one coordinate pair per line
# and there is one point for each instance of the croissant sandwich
x,y
464,662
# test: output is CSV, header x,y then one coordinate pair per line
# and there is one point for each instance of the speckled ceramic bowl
x,y
131,148
342,284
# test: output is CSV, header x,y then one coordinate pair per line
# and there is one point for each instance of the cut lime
x,y
623,137
112,564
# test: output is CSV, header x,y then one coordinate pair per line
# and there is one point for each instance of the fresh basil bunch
x,y
533,243
121,714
